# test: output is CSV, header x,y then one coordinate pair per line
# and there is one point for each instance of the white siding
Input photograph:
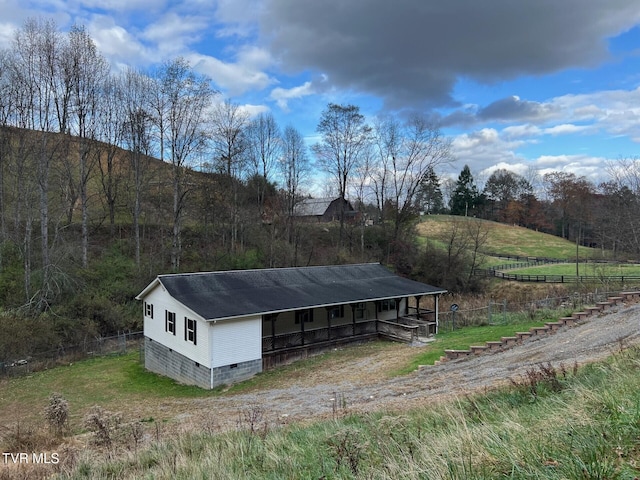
x,y
236,341
155,329
392,314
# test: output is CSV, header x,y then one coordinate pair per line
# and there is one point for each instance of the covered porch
x,y
400,318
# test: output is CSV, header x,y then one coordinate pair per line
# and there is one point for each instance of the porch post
x,y
302,327
328,310
437,301
418,297
273,330
398,300
353,319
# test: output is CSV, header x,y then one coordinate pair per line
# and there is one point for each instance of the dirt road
x,y
362,385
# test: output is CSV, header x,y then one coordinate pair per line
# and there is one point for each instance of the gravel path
x,y
361,388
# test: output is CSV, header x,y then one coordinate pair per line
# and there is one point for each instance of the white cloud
x,y
118,44
233,78
173,33
565,129
581,165
283,95
254,110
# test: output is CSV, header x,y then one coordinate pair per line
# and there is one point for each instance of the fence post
x,y
504,310
489,320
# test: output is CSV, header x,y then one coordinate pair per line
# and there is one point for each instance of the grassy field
x,y
505,239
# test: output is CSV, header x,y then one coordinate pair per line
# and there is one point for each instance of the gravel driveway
x,y
360,387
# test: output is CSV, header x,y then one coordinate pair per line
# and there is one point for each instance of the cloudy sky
x,y
542,84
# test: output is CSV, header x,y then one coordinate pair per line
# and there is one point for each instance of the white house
x,y
214,328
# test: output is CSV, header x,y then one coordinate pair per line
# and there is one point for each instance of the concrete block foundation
x,y
167,362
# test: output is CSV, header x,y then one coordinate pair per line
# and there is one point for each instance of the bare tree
x,y
186,99
264,146
294,171
344,138
136,97
406,153
228,136
87,68
111,132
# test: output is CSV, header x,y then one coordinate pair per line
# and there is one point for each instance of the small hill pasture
x,y
504,239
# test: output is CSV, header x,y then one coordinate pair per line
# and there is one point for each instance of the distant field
x,y
505,239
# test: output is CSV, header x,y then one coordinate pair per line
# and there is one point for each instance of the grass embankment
x,y
552,424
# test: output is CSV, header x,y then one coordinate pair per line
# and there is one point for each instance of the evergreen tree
x,y
429,194
466,198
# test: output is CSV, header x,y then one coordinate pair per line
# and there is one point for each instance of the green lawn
x,y
110,381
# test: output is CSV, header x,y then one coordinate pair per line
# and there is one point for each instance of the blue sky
x,y
530,85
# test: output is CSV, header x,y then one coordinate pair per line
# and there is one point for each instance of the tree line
x,y
561,203
159,158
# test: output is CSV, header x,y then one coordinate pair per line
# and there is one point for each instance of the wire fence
x,y
116,344
499,312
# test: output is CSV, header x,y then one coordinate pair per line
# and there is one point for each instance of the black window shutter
x,y
195,324
185,328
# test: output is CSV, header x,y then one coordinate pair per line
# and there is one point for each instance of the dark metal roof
x,y
216,295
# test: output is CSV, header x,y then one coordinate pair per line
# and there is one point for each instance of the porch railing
x,y
318,335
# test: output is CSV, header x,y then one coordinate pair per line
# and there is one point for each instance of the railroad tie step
x,y
592,310
568,321
631,295
522,336
509,341
478,349
604,306
494,345
554,326
615,300
539,330
453,354
580,316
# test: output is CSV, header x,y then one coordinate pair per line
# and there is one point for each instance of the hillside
x,y
501,239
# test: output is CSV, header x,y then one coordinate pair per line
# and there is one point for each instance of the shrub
x,y
57,414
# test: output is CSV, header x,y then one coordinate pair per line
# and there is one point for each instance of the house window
x,y
336,312
387,305
190,330
148,309
361,310
170,322
305,316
